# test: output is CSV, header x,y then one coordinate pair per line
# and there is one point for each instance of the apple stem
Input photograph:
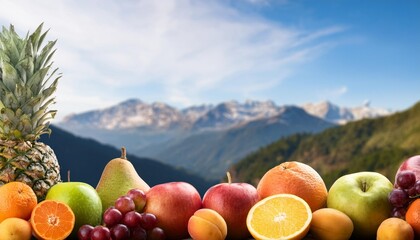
x,y
364,186
123,153
68,175
229,177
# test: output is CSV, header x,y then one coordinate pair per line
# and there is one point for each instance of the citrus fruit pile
x,y
21,215
288,193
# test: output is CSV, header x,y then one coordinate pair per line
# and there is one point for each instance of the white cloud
x,y
186,47
335,92
340,91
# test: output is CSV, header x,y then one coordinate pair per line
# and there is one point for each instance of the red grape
x,y
398,212
414,191
132,219
112,216
120,232
100,233
406,179
139,198
148,221
125,204
84,232
417,187
398,198
138,233
156,234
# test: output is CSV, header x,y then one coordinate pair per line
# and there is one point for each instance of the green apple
x,y
363,196
82,198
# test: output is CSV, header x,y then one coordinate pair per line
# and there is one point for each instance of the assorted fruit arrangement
x,y
291,201
357,206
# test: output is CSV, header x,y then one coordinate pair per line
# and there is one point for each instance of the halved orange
x,y
52,220
280,216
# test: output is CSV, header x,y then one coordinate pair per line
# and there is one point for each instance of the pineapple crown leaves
x,y
27,83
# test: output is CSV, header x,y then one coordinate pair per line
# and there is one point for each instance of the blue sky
x,y
188,52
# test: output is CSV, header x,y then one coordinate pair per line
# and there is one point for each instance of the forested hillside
x,y
367,145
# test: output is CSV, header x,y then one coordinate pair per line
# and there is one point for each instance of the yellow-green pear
x,y
119,176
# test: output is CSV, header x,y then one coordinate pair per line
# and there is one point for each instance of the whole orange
x,y
16,200
412,216
295,178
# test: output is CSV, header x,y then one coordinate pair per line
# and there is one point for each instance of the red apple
x,y
173,204
412,164
233,202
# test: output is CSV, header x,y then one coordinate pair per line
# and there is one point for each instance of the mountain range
x,y
206,139
379,144
134,113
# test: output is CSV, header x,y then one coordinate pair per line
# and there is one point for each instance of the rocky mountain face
x,y
132,113
135,113
341,115
205,138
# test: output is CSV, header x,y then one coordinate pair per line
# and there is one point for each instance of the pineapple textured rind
x,y
27,84
32,163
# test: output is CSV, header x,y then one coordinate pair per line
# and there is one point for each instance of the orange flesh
x,y
281,218
52,220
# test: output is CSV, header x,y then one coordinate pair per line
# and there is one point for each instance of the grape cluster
x,y
125,221
406,190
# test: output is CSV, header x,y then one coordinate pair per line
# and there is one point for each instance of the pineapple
x,y
25,95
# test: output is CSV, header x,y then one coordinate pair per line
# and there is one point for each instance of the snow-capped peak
x,y
135,113
341,115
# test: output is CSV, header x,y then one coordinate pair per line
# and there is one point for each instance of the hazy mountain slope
x,y
205,139
211,153
141,126
132,113
367,145
86,158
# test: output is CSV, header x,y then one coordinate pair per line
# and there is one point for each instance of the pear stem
x,y
123,153
229,177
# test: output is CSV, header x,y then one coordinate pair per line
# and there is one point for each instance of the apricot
x,y
395,229
329,223
207,224
15,229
